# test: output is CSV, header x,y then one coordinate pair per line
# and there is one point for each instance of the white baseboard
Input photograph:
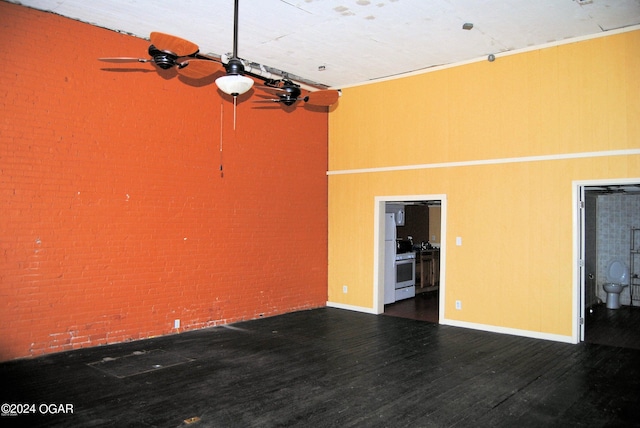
x,y
511,331
351,308
472,326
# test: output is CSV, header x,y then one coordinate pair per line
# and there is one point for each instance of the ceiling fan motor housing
x,y
164,59
291,95
234,66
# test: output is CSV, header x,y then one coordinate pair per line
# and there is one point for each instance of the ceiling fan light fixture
x,y
234,84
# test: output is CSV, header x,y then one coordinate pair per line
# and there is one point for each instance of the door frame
x,y
378,251
578,189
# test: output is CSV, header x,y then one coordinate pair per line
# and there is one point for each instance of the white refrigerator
x,y
389,258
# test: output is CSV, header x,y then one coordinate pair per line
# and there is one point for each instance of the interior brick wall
x,y
116,217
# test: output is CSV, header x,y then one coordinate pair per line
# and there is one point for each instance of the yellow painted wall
x,y
514,269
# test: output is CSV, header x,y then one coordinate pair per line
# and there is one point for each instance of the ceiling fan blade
x,y
267,107
324,98
200,68
271,90
128,70
167,42
123,59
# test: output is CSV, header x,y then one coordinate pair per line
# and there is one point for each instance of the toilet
x,y
618,278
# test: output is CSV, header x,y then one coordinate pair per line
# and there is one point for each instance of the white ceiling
x,y
353,40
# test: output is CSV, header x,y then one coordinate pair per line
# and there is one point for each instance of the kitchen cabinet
x,y
428,264
435,218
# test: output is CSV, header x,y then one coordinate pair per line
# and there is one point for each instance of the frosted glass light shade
x,y
234,84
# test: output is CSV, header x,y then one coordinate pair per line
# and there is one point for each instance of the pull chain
x,y
235,104
221,125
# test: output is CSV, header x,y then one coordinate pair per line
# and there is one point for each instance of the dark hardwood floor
x,y
423,307
330,368
613,327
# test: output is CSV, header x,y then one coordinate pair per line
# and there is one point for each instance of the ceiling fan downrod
x,y
234,82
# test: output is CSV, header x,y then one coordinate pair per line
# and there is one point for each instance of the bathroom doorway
x,y
606,212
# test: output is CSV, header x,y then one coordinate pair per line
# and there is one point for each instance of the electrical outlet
x,y
176,323
345,289
458,304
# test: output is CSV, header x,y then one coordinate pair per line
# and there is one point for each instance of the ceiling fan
x,y
167,52
288,93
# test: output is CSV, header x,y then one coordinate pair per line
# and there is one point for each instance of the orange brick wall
x,y
115,217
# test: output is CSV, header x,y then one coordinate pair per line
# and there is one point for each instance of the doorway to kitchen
x,y
410,256
607,212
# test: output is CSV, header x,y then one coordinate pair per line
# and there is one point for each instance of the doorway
x,y
607,211
423,226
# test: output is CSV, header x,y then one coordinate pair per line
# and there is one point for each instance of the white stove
x,y
406,256
405,271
